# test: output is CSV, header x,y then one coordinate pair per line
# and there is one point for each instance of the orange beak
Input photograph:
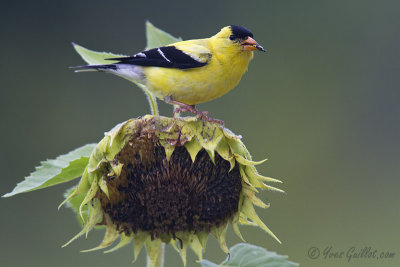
x,y
250,44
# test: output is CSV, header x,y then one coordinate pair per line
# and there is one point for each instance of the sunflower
x,y
158,180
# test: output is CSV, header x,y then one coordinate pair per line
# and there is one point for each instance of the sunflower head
x,y
159,180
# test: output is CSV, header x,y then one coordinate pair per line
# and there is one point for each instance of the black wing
x,y
166,57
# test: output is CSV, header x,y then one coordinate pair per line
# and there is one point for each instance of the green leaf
x,y
56,171
98,58
247,255
94,57
157,37
206,263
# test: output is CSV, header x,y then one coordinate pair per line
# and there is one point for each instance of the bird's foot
x,y
204,115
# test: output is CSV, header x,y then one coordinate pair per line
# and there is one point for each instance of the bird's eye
x,y
237,38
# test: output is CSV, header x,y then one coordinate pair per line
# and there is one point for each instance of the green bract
x,y
165,149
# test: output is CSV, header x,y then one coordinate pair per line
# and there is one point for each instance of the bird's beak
x,y
250,44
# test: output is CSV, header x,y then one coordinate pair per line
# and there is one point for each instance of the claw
x,y
204,115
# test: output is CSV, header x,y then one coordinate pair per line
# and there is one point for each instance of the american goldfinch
x,y
189,72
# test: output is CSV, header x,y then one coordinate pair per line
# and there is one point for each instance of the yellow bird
x,y
190,72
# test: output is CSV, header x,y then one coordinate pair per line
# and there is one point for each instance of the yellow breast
x,y
198,85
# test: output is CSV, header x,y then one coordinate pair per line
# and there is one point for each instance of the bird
x,y
190,72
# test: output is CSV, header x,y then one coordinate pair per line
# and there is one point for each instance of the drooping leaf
x,y
247,255
97,58
94,57
56,171
157,37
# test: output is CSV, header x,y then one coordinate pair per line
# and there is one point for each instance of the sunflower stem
x,y
150,97
160,258
153,103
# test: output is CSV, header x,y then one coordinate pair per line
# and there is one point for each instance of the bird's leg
x,y
191,108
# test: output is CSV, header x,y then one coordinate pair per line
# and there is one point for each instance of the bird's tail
x,y
86,68
126,71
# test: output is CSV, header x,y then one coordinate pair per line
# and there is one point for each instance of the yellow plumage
x,y
223,72
189,72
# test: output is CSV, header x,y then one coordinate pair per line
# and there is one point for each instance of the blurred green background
x,y
322,105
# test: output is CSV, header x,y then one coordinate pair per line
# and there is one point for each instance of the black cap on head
x,y
239,32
